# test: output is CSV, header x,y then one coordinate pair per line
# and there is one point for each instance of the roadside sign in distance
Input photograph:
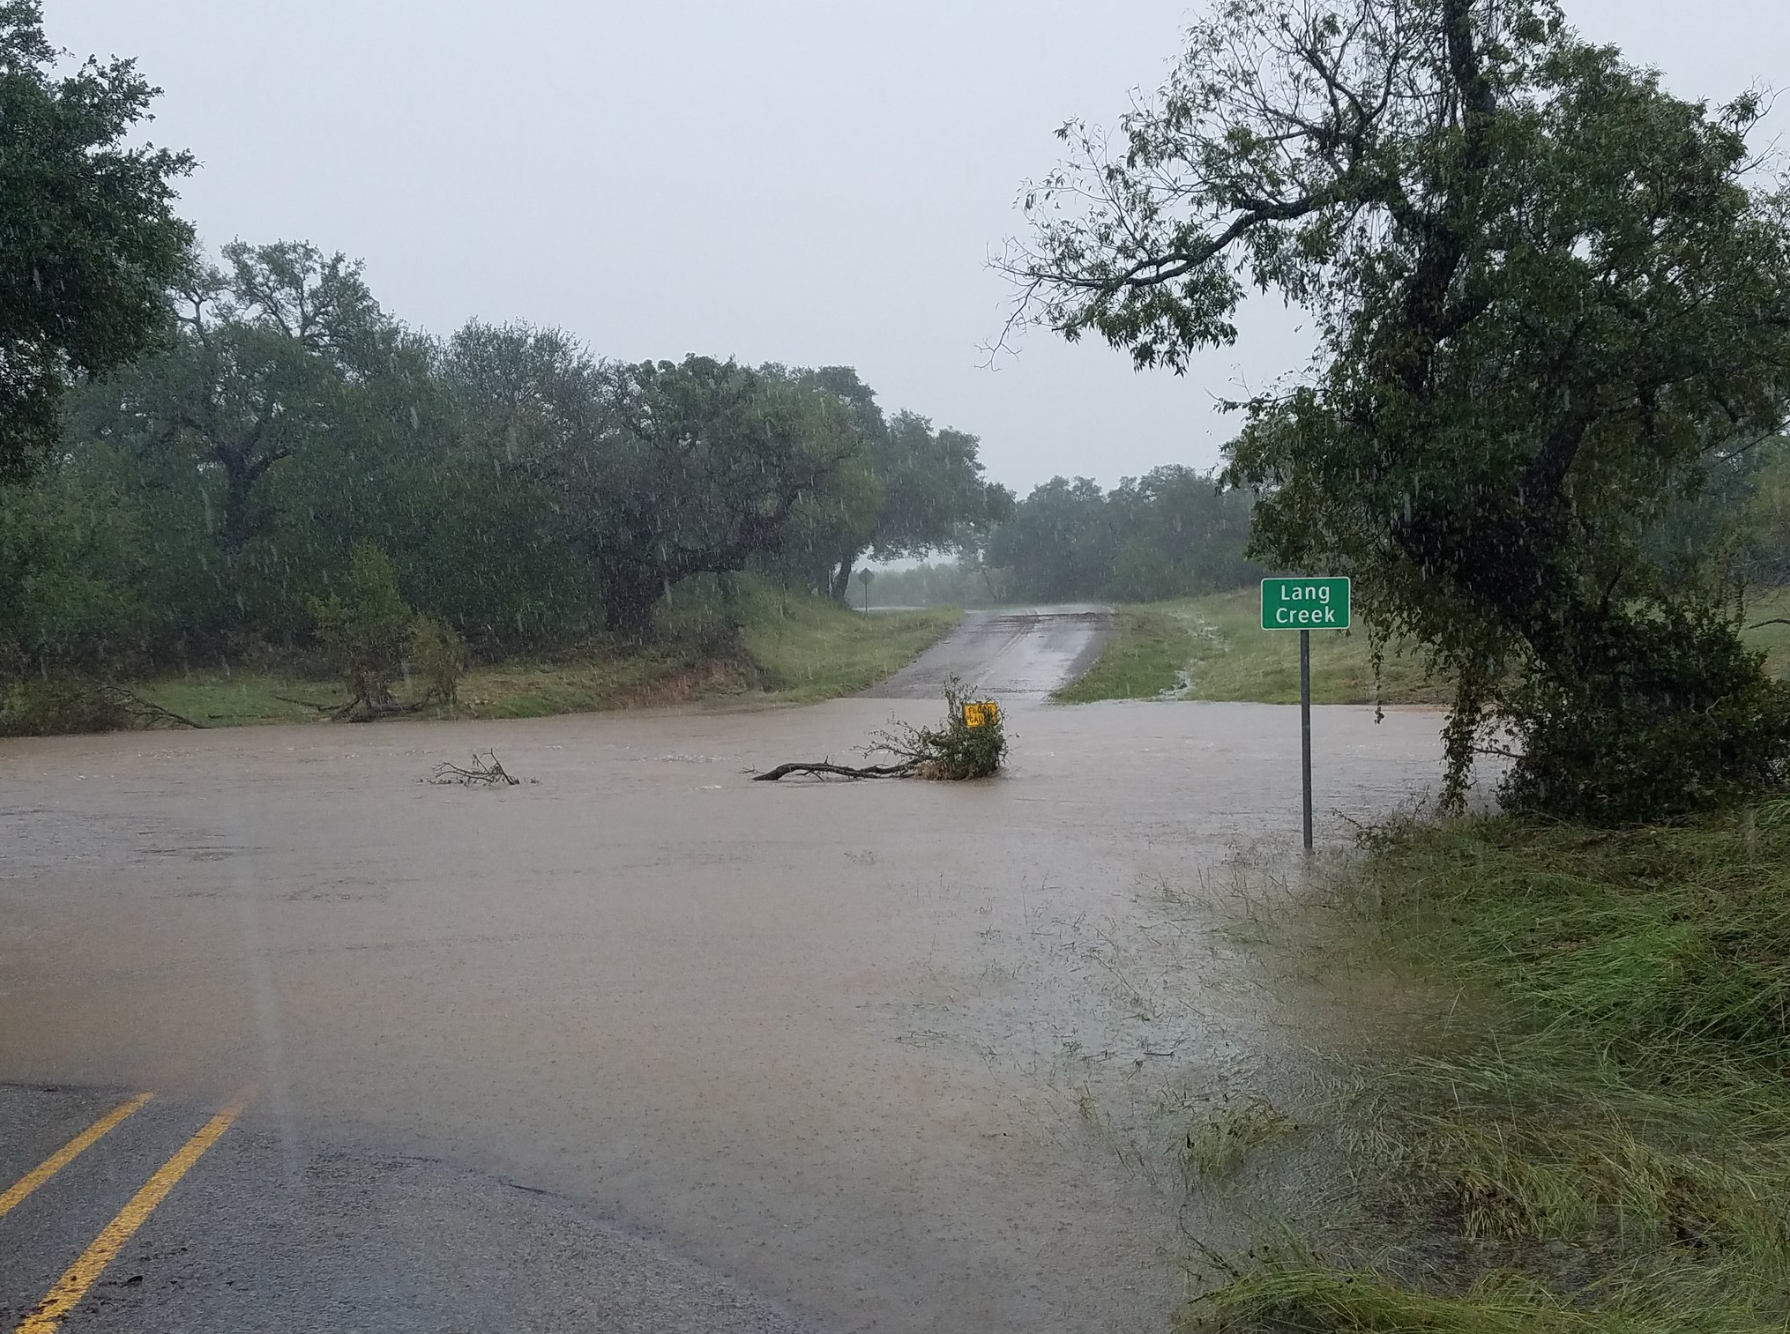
x,y
1305,604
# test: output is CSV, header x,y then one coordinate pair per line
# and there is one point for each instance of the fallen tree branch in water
x,y
491,773
970,744
826,767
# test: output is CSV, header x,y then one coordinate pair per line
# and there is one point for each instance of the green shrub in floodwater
x,y
971,743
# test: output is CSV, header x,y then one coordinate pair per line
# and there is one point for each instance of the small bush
x,y
1671,715
438,655
366,628
971,743
59,706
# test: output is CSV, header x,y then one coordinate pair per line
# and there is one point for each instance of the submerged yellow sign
x,y
981,714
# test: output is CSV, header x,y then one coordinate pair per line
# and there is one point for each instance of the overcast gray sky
x,y
799,182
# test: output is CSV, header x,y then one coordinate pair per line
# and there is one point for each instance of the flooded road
x,y
853,1045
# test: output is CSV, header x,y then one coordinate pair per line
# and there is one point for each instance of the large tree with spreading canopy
x,y
1547,293
88,234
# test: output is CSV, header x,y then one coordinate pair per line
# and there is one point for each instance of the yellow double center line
x,y
15,1193
81,1275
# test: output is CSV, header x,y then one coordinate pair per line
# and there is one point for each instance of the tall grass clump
x,y
1599,1137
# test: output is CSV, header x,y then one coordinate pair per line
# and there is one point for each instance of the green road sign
x,y
1305,604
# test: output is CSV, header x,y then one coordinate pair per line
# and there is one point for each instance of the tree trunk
x,y
629,597
239,524
841,587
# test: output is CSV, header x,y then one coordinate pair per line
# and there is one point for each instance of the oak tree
x,y
1547,292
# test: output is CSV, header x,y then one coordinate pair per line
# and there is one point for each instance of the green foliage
x,y
1547,299
438,655
700,471
1764,514
656,472
806,648
61,613
1673,715
1172,533
792,647
90,239
1595,1136
58,705
527,495
934,495
968,581
1663,948
366,627
1214,648
956,750
1219,1142
910,490
1151,656
1060,542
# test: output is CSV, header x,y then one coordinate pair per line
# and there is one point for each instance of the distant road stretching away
x,y
1015,653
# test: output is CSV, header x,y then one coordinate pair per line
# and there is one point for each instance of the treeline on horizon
x,y
1173,533
205,500
1180,533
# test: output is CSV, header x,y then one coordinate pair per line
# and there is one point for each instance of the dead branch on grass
x,y
143,712
365,710
308,703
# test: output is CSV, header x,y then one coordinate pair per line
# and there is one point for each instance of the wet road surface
x,y
254,1238
855,1050
1015,653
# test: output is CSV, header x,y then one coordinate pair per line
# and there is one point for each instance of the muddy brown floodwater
x,y
849,1042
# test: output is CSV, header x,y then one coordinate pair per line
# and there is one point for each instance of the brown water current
x,y
854,1043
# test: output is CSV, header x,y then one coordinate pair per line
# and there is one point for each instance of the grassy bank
x,y
1596,1136
762,644
1214,648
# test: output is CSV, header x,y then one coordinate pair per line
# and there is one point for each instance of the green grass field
x,y
1213,648
1593,1134
1771,605
788,648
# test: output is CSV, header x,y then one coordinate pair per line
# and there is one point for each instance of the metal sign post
x,y
1305,728
1305,605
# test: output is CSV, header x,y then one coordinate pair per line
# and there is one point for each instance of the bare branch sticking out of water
x,y
969,744
486,769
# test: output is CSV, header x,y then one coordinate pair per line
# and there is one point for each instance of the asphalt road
x,y
252,1239
640,1045
1017,654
